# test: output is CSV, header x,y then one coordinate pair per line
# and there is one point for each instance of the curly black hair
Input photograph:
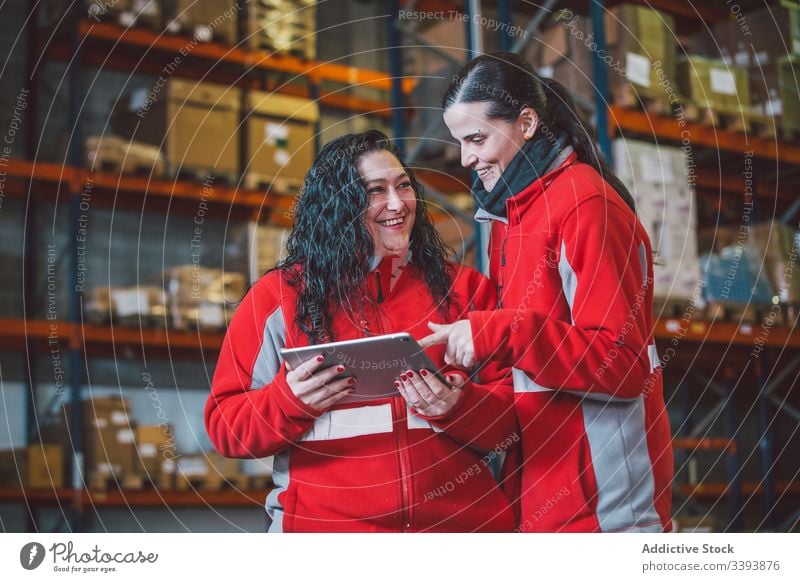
x,y
333,248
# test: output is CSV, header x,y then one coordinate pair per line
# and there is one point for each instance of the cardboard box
x,y
126,304
710,83
266,246
776,247
222,469
154,444
36,466
206,20
562,54
280,137
110,152
284,26
199,296
638,37
195,124
110,451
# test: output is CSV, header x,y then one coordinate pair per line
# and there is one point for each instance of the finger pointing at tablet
x,y
458,337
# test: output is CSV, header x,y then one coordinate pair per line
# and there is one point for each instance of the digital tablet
x,y
376,362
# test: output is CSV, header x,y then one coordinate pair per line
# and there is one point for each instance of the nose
x,y
468,159
393,201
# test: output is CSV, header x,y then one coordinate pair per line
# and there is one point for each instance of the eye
x,y
405,186
375,190
478,139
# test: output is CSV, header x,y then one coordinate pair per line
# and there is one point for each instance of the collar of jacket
x,y
519,203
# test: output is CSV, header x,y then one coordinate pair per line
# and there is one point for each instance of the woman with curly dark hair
x,y
363,259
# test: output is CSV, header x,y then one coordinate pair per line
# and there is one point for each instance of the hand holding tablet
x,y
376,364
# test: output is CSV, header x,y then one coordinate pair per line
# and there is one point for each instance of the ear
x,y
529,122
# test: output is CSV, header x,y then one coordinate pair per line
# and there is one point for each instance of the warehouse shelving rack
x,y
721,337
84,43
31,179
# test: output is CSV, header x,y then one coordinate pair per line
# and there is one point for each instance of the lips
x,y
392,221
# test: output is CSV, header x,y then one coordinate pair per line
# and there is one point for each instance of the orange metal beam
x,y
316,70
625,120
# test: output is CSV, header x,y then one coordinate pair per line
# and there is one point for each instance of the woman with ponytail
x,y
574,272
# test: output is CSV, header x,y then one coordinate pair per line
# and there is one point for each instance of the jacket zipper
x,y
502,275
401,430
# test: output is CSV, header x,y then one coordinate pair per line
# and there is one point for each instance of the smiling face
x,y
488,145
392,203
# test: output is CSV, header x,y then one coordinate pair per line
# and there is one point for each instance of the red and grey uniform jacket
x,y
371,468
574,271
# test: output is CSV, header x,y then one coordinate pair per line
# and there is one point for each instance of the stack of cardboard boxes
x,y
33,467
771,70
284,26
640,54
195,125
665,204
135,305
280,140
202,297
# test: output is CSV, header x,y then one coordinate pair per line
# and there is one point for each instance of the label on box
x,y
654,170
192,467
137,99
104,468
276,134
210,314
281,157
130,302
145,7
125,436
101,422
203,33
741,59
762,58
168,466
148,449
723,82
773,107
119,418
638,69
127,18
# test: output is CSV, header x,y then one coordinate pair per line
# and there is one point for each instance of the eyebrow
x,y
398,177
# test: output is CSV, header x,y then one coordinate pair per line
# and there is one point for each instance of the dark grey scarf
x,y
530,163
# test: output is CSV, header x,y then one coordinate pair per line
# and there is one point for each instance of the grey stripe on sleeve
x,y
269,360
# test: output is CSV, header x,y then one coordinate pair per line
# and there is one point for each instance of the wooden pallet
x,y
729,121
200,175
114,155
729,311
678,308
211,482
627,96
275,184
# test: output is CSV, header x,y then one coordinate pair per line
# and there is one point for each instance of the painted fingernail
x,y
340,368
449,378
403,377
351,381
423,372
397,384
320,358
410,374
